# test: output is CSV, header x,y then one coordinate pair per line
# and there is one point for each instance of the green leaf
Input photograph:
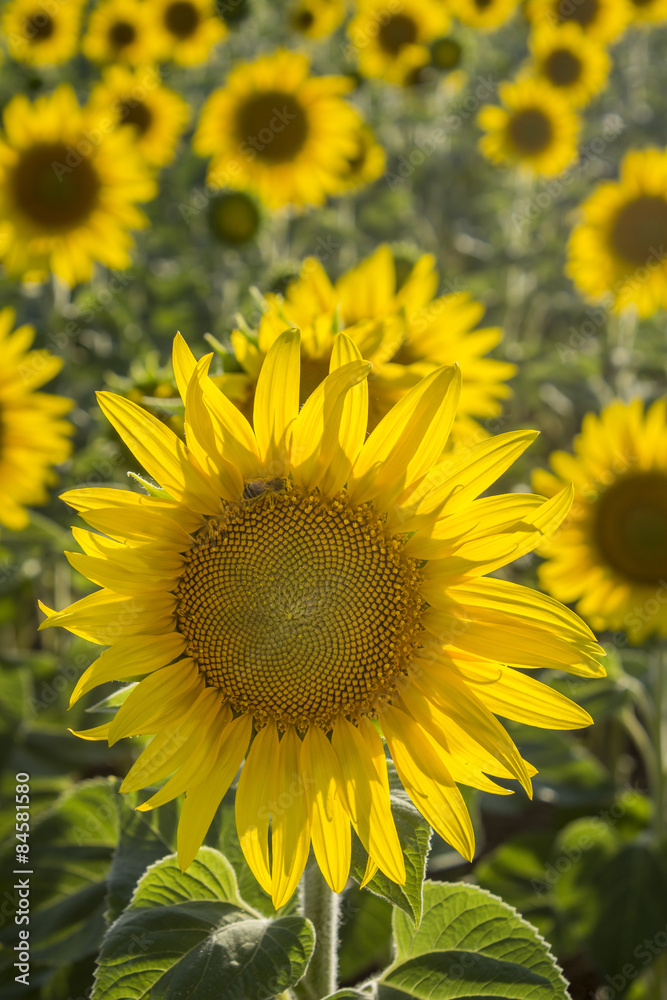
x,y
469,943
189,935
145,837
364,934
414,834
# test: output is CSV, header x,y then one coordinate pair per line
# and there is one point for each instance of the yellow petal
x,y
330,824
255,791
408,441
129,657
277,402
317,440
154,697
290,821
201,802
162,454
364,767
427,781
205,445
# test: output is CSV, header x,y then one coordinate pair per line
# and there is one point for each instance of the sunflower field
x,y
333,499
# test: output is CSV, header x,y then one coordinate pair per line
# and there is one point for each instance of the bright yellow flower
x,y
135,98
278,130
122,31
68,190
577,67
648,12
405,333
316,18
391,41
611,553
617,253
603,20
300,582
186,30
536,129
485,15
366,164
40,33
33,435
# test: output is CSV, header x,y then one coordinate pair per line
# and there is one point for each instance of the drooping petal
x,y
255,792
427,780
202,801
330,824
290,820
364,767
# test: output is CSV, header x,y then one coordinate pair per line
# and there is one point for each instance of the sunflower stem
x,y
321,906
659,667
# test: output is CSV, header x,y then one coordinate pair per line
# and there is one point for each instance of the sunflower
x,y
574,65
275,129
300,588
647,12
41,33
366,164
393,44
618,252
611,553
485,15
186,30
316,18
603,20
404,332
33,435
137,99
121,31
536,129
67,189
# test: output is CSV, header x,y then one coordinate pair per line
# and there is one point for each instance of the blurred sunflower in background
x,y
33,435
603,20
39,35
618,252
484,15
136,99
610,555
279,131
536,128
366,164
574,65
234,217
300,580
645,13
393,44
185,30
121,31
68,191
316,18
405,332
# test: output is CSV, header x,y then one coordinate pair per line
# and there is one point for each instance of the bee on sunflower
x,y
289,627
611,553
277,130
33,435
617,252
42,35
393,45
536,128
68,191
405,332
136,98
576,67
